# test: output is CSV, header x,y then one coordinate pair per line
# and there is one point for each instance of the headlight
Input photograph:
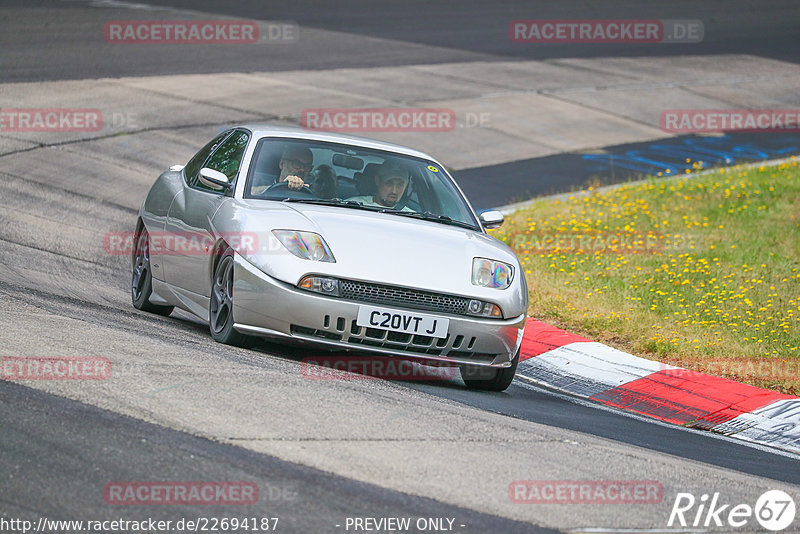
x,y
491,273
320,284
306,245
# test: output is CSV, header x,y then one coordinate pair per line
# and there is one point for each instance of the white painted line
x,y
532,385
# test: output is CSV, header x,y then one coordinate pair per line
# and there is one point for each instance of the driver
x,y
295,164
391,181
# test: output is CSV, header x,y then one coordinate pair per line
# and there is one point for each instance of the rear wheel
x,y
220,309
142,278
489,378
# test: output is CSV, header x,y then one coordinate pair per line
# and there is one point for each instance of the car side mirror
x,y
491,219
214,179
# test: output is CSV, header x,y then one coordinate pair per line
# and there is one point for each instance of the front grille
x,y
399,296
395,341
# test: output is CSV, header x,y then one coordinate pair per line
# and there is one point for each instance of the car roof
x,y
275,130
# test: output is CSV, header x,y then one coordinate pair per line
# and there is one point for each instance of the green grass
x,y
704,272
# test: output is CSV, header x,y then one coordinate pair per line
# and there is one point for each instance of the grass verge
x,y
702,272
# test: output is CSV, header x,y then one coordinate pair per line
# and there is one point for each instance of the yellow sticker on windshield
x,y
432,168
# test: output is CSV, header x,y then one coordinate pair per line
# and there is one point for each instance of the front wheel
x,y
220,309
488,378
142,277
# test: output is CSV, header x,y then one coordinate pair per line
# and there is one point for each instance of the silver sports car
x,y
335,240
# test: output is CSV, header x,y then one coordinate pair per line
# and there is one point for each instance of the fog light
x,y
475,307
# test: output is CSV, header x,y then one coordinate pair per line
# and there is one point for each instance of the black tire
x,y
488,378
142,277
220,306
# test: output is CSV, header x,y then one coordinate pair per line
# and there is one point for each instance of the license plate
x,y
399,321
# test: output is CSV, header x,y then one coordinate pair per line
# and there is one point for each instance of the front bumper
x,y
267,307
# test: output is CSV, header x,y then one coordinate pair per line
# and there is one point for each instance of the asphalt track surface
x,y
364,34
43,454
181,407
567,172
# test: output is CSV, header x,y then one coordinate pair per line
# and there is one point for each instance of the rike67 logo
x,y
774,510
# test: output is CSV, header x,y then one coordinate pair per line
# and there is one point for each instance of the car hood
x,y
376,247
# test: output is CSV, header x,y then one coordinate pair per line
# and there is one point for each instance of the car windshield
x,y
356,178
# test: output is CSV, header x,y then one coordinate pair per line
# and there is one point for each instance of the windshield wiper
x,y
330,202
428,216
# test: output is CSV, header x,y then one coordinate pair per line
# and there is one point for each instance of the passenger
x,y
391,181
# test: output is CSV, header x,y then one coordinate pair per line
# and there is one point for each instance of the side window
x,y
196,163
228,156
